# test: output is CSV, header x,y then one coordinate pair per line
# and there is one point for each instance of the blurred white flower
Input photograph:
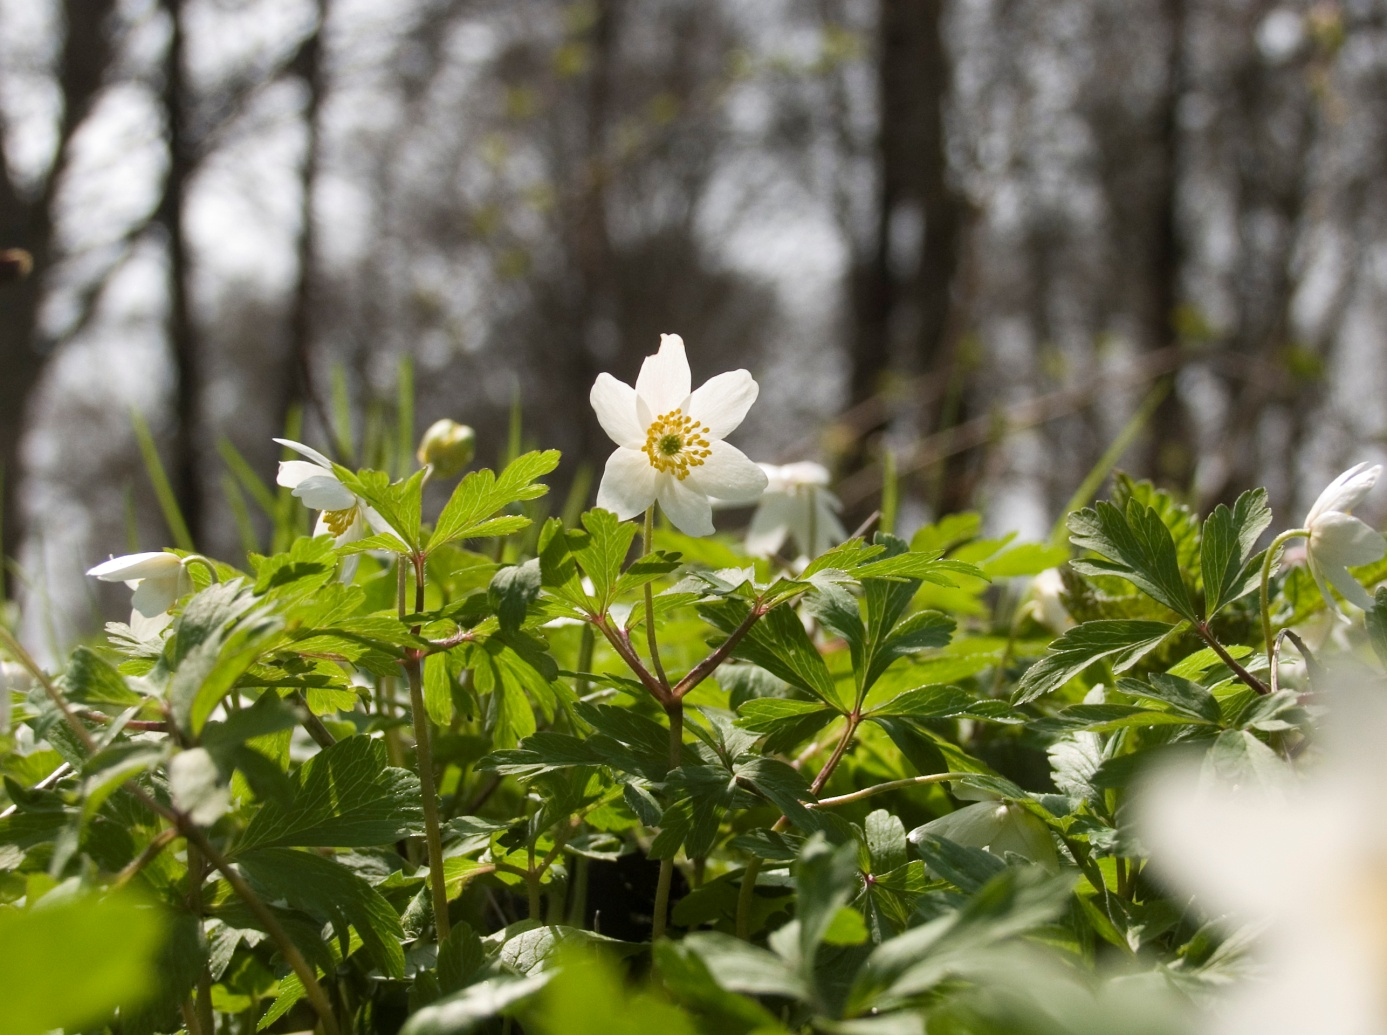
x,y
344,515
158,580
1046,601
669,440
1338,540
1301,860
14,679
997,825
796,506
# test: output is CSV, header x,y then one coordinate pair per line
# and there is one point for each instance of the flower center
x,y
338,521
675,444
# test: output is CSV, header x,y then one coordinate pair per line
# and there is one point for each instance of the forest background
x,y
970,240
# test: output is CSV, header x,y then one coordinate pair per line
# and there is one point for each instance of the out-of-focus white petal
x,y
615,405
308,451
628,483
293,473
1345,491
137,566
687,508
770,525
722,402
1341,539
729,475
1346,584
324,492
664,380
154,596
828,527
149,628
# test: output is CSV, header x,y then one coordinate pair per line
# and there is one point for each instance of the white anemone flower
x,y
1300,861
158,580
343,514
1046,602
670,444
796,506
1338,540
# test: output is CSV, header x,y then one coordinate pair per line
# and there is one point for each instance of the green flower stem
x,y
205,564
1202,628
423,750
675,710
647,541
747,893
882,788
1267,561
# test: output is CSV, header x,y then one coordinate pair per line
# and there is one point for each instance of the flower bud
x,y
448,447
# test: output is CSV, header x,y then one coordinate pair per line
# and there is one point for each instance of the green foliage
x,y
879,795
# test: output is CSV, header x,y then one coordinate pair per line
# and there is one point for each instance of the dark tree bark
x,y
182,333
27,221
297,380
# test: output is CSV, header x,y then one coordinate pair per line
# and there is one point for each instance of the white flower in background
x,y
669,440
997,825
1046,603
344,515
1303,862
158,580
1337,540
796,506
14,679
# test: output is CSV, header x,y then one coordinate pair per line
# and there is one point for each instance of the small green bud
x,y
448,447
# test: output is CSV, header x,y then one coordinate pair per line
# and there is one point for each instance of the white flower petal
x,y
727,474
615,405
687,509
374,520
1346,584
154,596
1343,540
664,379
722,402
347,571
137,566
293,473
628,484
308,451
149,628
828,527
1345,491
324,492
1317,573
770,525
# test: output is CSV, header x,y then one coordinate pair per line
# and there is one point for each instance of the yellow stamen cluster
x,y
676,443
338,521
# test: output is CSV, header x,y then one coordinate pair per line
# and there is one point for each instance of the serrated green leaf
x,y
332,894
1226,560
602,552
779,644
1124,641
1138,547
345,796
481,494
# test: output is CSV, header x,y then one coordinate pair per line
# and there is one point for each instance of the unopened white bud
x,y
448,447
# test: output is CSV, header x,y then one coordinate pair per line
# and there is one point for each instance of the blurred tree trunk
x,y
902,288
297,380
182,333
1170,449
27,221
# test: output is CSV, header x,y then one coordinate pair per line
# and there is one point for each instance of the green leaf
x,y
1376,620
786,722
1138,547
589,996
1122,640
739,966
481,494
399,503
687,976
90,680
927,702
1238,757
778,644
1227,564
73,961
886,841
466,1011
1182,695
513,589
222,632
438,690
346,796
826,878
602,552
784,785
332,894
